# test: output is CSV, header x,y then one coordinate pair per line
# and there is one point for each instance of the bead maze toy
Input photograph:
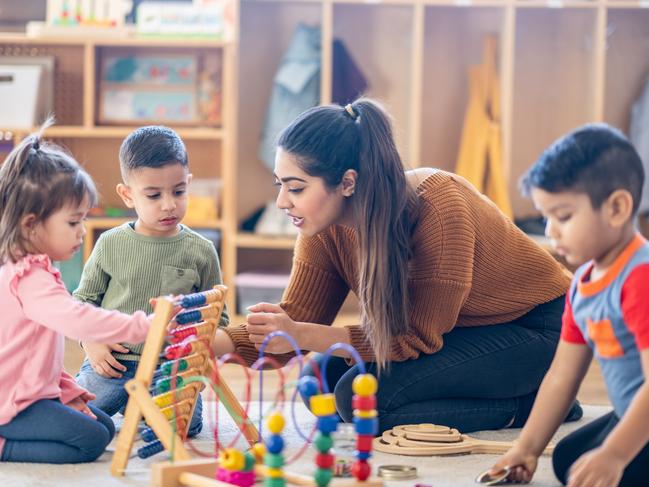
x,y
169,411
430,439
266,460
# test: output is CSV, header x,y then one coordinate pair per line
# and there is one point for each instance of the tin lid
x,y
398,472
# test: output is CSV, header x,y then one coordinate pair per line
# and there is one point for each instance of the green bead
x,y
274,460
323,443
274,482
249,461
322,476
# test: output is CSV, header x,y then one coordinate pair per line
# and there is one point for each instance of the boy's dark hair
x,y
595,159
152,146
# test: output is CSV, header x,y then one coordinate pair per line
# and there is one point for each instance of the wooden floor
x,y
592,390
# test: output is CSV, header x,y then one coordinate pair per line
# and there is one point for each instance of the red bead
x,y
324,460
361,470
364,442
364,403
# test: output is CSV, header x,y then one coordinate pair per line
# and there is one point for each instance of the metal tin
x,y
397,472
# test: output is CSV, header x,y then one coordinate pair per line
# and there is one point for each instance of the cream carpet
x,y
449,471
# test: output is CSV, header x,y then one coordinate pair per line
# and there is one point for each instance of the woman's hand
x,y
596,468
264,319
521,463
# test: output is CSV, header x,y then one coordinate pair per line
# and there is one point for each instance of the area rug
x,y
448,471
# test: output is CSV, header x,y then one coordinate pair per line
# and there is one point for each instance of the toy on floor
x,y
169,411
236,468
429,439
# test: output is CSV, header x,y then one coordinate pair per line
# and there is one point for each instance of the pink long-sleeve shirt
x,y
37,313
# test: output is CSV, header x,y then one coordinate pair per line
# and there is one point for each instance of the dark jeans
x,y
484,377
49,432
590,437
112,396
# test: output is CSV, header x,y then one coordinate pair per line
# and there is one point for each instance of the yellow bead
x,y
365,385
323,404
365,414
232,459
259,450
274,473
276,423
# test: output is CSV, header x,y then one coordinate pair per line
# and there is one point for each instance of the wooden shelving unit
x,y
561,64
96,146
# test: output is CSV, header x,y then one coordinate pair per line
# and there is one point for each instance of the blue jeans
x,y
49,432
484,377
112,396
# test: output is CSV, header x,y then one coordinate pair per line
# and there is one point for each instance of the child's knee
x,y
562,460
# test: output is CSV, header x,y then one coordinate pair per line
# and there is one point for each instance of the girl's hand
x,y
522,465
80,403
102,360
176,309
596,468
265,318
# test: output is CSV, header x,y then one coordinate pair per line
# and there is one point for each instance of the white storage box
x,y
253,288
19,92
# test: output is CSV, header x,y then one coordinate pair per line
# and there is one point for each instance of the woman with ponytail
x,y
460,312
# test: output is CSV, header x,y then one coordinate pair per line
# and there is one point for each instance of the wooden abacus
x,y
189,356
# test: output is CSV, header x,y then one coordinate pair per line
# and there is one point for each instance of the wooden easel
x,y
480,157
141,404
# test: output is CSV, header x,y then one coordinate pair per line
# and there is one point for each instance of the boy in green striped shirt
x,y
154,256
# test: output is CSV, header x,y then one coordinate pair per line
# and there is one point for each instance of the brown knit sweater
x,y
470,266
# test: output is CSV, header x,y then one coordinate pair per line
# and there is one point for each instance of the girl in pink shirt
x,y
44,415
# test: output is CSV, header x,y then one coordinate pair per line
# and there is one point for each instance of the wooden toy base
x,y
429,439
202,473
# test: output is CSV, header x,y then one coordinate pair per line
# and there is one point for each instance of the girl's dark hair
x,y
329,140
37,178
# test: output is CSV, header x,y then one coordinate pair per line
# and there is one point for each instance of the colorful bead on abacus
x,y
236,468
324,407
184,348
201,299
204,329
196,315
365,421
273,459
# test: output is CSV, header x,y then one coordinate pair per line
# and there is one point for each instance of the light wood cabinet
x,y
561,64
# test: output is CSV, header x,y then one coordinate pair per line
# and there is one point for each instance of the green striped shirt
x,y
126,269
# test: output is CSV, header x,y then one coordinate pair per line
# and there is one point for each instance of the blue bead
x,y
148,435
363,455
151,449
367,426
308,386
193,300
274,444
188,317
328,424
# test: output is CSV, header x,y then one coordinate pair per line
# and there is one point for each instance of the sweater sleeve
x,y
210,275
441,282
94,280
315,293
45,301
69,388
